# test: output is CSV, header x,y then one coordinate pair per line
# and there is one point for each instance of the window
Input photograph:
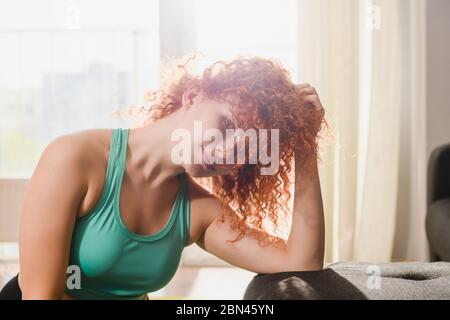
x,y
65,69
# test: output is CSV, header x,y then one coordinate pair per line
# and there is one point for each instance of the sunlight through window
x,y
227,28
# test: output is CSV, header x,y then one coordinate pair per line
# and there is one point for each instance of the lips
x,y
207,160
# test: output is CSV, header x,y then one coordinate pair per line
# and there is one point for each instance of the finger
x,y
311,98
303,85
314,100
308,91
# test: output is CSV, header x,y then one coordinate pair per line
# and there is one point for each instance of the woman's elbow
x,y
303,267
310,265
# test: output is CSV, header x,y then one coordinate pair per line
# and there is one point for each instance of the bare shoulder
x,y
79,153
79,148
83,155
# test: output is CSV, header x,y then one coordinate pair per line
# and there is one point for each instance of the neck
x,y
150,151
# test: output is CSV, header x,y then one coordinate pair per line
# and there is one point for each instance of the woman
x,y
113,207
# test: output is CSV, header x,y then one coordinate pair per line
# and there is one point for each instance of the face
x,y
208,119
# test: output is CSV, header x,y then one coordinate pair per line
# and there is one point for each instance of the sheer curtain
x,y
356,55
360,55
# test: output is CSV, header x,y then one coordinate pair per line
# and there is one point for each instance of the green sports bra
x,y
114,262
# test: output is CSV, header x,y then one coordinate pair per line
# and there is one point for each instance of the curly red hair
x,y
262,95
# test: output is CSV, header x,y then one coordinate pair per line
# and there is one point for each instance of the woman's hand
x,y
311,98
310,95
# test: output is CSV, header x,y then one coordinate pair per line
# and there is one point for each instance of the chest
x,y
108,256
138,208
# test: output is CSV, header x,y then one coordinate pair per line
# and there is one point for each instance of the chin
x,y
200,171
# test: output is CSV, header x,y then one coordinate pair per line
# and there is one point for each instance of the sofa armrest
x,y
355,280
438,176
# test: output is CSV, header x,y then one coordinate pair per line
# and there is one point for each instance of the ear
x,y
188,96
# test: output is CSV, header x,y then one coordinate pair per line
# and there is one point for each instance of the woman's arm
x,y
304,249
306,241
49,210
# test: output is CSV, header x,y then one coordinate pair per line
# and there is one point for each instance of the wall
x,y
438,72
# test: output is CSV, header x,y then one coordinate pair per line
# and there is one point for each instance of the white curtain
x,y
354,54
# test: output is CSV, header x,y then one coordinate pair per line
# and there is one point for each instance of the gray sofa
x,y
356,281
438,202
398,280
